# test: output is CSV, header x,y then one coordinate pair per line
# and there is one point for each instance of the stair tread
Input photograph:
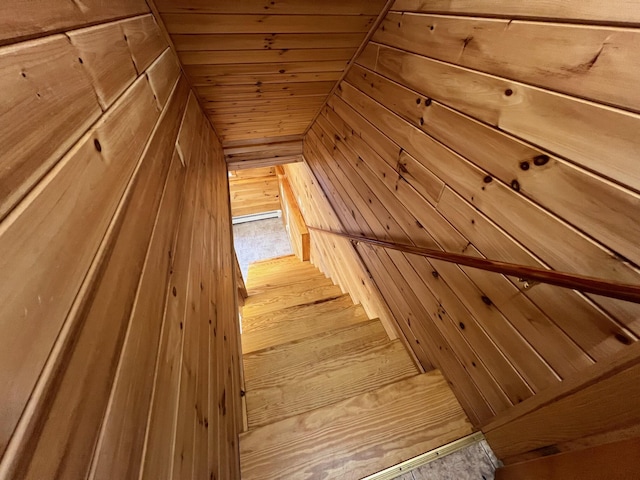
x,y
357,436
288,296
308,351
258,272
283,259
257,276
257,292
299,321
298,389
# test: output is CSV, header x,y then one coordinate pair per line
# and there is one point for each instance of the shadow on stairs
x,y
328,395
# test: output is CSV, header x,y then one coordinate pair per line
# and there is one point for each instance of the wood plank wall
x,y
254,190
336,257
263,68
292,218
499,129
120,349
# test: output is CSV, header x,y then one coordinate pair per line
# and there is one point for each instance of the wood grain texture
x,y
163,74
299,293
584,255
268,56
104,316
95,200
565,125
583,61
279,49
106,57
615,461
251,194
293,219
406,166
274,328
158,462
412,312
279,7
99,178
358,436
263,78
43,16
601,407
131,393
208,23
465,127
119,450
185,143
618,11
144,39
434,295
336,258
277,41
298,389
306,352
575,194
45,79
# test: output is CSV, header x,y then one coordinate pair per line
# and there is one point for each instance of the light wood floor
x,y
328,394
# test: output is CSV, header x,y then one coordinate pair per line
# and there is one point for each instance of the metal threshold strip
x,y
415,462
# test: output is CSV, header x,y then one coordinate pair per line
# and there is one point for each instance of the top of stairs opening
x,y
328,395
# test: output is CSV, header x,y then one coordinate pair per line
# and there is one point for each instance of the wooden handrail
x,y
606,288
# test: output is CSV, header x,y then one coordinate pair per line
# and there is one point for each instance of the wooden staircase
x,y
328,395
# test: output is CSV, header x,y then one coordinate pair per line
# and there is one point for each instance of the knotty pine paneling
x,y
254,190
574,11
501,138
259,51
106,225
336,257
39,17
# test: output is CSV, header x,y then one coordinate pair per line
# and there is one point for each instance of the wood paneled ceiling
x,y
263,68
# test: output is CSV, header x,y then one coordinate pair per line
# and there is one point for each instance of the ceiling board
x,y
263,68
258,79
265,41
272,7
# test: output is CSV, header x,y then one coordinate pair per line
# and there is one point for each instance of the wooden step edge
x,y
268,286
427,457
301,309
323,299
335,331
281,258
404,371
279,269
430,376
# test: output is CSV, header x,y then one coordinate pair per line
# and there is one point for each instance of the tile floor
x,y
475,462
259,240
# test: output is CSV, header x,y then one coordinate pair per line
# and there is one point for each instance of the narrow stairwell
x,y
328,395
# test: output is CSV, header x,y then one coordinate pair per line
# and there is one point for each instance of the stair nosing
x,y
315,335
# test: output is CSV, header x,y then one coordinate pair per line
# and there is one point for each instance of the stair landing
x,y
328,394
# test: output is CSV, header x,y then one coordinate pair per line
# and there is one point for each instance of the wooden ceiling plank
x,y
370,33
239,137
280,7
265,41
191,23
264,56
257,79
251,115
265,162
273,87
267,68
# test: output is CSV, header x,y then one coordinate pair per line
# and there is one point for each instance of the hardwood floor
x,y
328,395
